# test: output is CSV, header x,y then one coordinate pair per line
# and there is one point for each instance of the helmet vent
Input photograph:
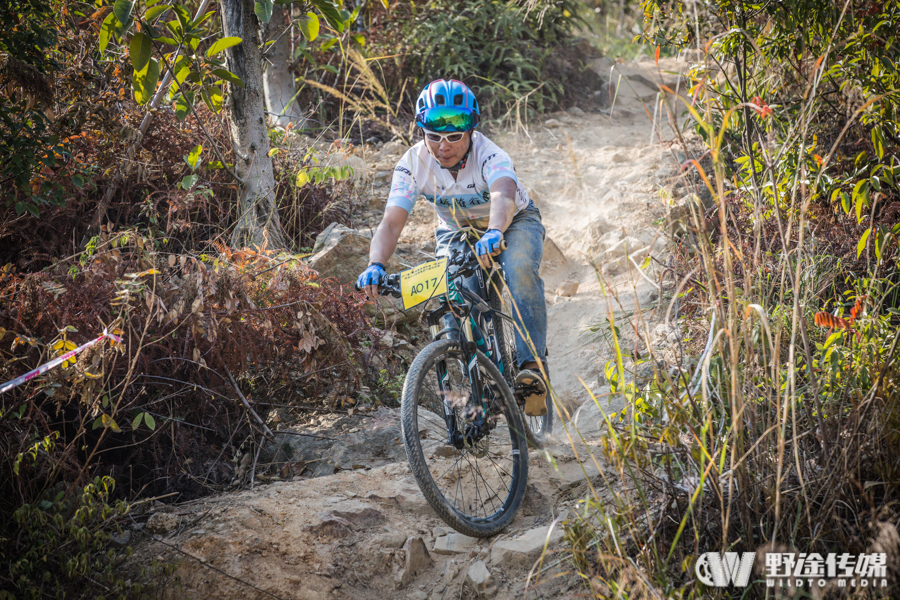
x,y
439,100
458,100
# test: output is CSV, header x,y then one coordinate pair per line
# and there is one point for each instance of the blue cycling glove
x,y
373,275
489,242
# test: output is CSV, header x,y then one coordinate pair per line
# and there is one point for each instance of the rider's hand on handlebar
x,y
369,280
489,245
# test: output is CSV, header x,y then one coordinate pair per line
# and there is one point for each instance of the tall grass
x,y
781,432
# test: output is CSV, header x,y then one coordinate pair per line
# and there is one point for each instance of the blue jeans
x,y
520,261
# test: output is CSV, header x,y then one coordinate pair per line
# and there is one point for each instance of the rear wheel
x,y
476,480
537,429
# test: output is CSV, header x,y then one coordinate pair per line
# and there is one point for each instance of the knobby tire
x,y
422,421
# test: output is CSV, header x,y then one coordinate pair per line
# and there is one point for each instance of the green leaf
x,y
106,31
309,26
184,17
154,12
212,96
141,47
302,179
861,245
880,243
263,10
189,181
878,142
860,197
176,29
193,158
108,421
137,421
329,44
122,10
385,3
150,421
144,82
330,12
181,68
222,44
228,76
120,29
845,202
183,105
359,39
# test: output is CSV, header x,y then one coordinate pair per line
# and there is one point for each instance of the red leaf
x,y
824,319
657,55
857,309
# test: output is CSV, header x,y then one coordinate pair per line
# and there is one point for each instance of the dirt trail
x,y
367,532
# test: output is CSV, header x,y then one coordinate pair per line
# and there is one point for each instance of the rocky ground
x,y
356,524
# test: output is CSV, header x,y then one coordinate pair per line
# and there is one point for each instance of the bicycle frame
x,y
462,310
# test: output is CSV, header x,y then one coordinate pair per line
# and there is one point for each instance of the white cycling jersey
x,y
465,202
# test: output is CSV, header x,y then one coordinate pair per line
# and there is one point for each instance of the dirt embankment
x,y
364,529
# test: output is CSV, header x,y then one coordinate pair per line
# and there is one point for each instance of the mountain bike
x,y
465,437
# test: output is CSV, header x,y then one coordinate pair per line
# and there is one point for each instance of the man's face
x,y
448,153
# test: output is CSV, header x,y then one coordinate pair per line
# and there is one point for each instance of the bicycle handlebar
x,y
465,261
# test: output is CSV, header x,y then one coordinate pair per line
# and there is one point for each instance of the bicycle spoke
x,y
475,474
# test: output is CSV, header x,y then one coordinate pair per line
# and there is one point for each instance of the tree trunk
x,y
278,80
258,215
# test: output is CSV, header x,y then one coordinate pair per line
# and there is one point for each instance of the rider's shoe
x,y
532,389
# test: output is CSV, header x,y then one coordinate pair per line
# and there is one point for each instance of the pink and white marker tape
x,y
56,362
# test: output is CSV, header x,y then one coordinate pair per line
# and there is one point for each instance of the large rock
x,y
161,523
330,527
344,254
390,153
331,235
379,444
524,550
553,257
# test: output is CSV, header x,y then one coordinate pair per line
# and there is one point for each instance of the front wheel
x,y
468,455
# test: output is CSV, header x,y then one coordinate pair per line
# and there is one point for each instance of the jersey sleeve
x,y
497,164
403,185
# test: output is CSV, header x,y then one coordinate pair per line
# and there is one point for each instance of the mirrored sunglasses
x,y
447,119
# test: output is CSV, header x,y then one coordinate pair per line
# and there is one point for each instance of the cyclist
x,y
472,185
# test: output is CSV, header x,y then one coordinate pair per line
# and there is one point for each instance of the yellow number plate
x,y
425,281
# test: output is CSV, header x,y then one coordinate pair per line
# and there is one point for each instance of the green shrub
x,y
61,548
507,53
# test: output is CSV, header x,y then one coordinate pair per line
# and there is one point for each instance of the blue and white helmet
x,y
447,106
